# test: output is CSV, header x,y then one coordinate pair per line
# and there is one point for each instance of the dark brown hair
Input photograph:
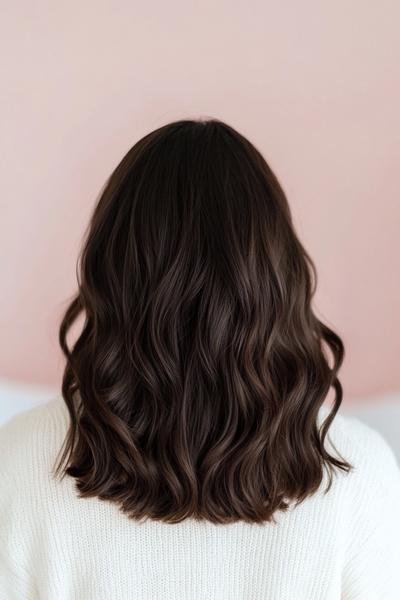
x,y
194,387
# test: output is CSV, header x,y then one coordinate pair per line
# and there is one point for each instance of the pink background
x,y
315,85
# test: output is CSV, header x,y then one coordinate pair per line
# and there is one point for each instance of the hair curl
x,y
194,387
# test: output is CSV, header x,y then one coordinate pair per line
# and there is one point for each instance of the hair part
x,y
194,387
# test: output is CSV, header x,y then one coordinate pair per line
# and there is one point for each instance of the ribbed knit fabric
x,y
55,546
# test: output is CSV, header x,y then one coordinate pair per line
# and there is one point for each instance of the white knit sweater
x,y
56,546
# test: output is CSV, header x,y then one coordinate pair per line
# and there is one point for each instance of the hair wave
x,y
194,386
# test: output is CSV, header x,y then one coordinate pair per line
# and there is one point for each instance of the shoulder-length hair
x,y
194,387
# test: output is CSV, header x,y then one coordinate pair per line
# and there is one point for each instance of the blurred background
x,y
314,85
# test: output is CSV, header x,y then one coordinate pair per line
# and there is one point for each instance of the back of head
x,y
195,384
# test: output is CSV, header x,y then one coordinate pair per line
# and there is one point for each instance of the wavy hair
x,y
194,386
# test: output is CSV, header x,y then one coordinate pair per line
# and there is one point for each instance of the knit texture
x,y
55,546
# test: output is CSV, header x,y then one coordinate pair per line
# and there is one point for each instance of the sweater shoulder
x,y
372,457
47,413
30,439
355,435
371,553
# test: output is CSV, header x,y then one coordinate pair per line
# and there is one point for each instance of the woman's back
x,y
194,461
55,545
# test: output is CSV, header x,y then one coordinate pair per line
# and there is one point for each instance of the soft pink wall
x,y
315,85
